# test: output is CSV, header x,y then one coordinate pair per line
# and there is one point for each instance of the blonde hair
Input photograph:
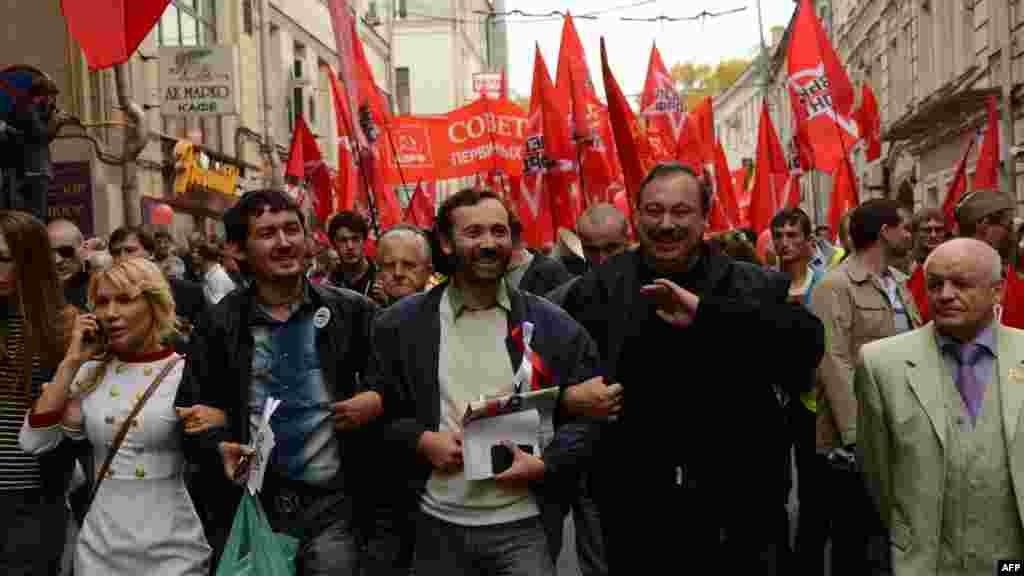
x,y
135,277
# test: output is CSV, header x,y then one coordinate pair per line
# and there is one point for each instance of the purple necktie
x,y
971,389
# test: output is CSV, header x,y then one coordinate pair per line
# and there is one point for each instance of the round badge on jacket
x,y
322,317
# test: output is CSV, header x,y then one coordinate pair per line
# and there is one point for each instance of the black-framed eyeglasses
x,y
66,252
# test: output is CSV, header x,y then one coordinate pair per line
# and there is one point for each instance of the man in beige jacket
x,y
861,300
939,410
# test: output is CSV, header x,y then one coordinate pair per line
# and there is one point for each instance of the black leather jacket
x,y
219,373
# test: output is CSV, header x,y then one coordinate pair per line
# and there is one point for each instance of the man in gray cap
x,y
987,215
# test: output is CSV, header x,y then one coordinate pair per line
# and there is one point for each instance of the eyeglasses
x,y
66,252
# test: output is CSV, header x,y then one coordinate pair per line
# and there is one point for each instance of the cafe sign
x,y
199,80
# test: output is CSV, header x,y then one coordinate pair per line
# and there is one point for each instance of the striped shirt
x,y
18,470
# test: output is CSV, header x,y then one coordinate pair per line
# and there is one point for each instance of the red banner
x,y
483,137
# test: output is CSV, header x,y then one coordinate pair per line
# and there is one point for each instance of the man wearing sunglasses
x,y
66,241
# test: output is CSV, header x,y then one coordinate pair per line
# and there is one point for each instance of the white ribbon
x,y
524,376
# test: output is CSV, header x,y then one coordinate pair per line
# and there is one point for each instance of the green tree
x,y
699,80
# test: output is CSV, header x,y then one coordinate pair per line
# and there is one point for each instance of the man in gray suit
x,y
939,409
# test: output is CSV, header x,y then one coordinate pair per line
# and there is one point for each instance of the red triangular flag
x,y
771,173
986,173
662,109
958,187
573,78
919,290
1013,300
844,194
306,162
690,150
724,208
820,92
421,207
870,123
633,150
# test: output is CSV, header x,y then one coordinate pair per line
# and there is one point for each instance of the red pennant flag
x,y
793,191
662,109
573,78
1013,300
919,290
870,123
986,174
705,116
346,39
958,187
306,162
346,183
634,153
820,92
724,208
771,171
844,194
690,150
109,32
421,207
546,146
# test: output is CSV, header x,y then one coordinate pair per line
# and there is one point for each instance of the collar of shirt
x,y
457,304
259,314
987,340
524,263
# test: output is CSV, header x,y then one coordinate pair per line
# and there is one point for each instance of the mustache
x,y
491,253
668,234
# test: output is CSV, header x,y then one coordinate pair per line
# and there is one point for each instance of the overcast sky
x,y
707,40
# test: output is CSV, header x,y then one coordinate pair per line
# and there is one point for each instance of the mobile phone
x,y
501,456
98,335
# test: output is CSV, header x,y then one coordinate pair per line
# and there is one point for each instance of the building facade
x,y
87,178
932,64
439,46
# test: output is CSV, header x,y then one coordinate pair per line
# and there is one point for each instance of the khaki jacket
x,y
904,423
853,306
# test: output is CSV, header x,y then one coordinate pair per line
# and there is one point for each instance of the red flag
x,y
771,173
421,207
546,146
724,208
958,187
346,183
661,108
690,150
573,78
793,191
705,117
1013,300
306,162
345,39
844,194
634,152
621,201
870,123
109,32
986,173
820,92
919,290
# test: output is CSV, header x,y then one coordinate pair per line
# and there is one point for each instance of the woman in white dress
x,y
142,520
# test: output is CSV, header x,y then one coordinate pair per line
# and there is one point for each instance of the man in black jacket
x,y
700,344
463,340
307,346
531,271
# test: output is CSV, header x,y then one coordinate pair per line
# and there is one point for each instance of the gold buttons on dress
x,y
115,391
140,471
148,371
108,420
138,396
121,368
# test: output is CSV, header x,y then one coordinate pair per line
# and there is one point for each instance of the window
x,y
188,23
312,111
247,17
403,9
402,89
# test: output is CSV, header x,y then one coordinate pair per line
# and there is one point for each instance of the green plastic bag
x,y
253,549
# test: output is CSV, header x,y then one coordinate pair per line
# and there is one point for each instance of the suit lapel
x,y
924,374
1011,382
515,319
427,348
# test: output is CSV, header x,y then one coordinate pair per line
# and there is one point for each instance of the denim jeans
x,y
511,549
34,525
